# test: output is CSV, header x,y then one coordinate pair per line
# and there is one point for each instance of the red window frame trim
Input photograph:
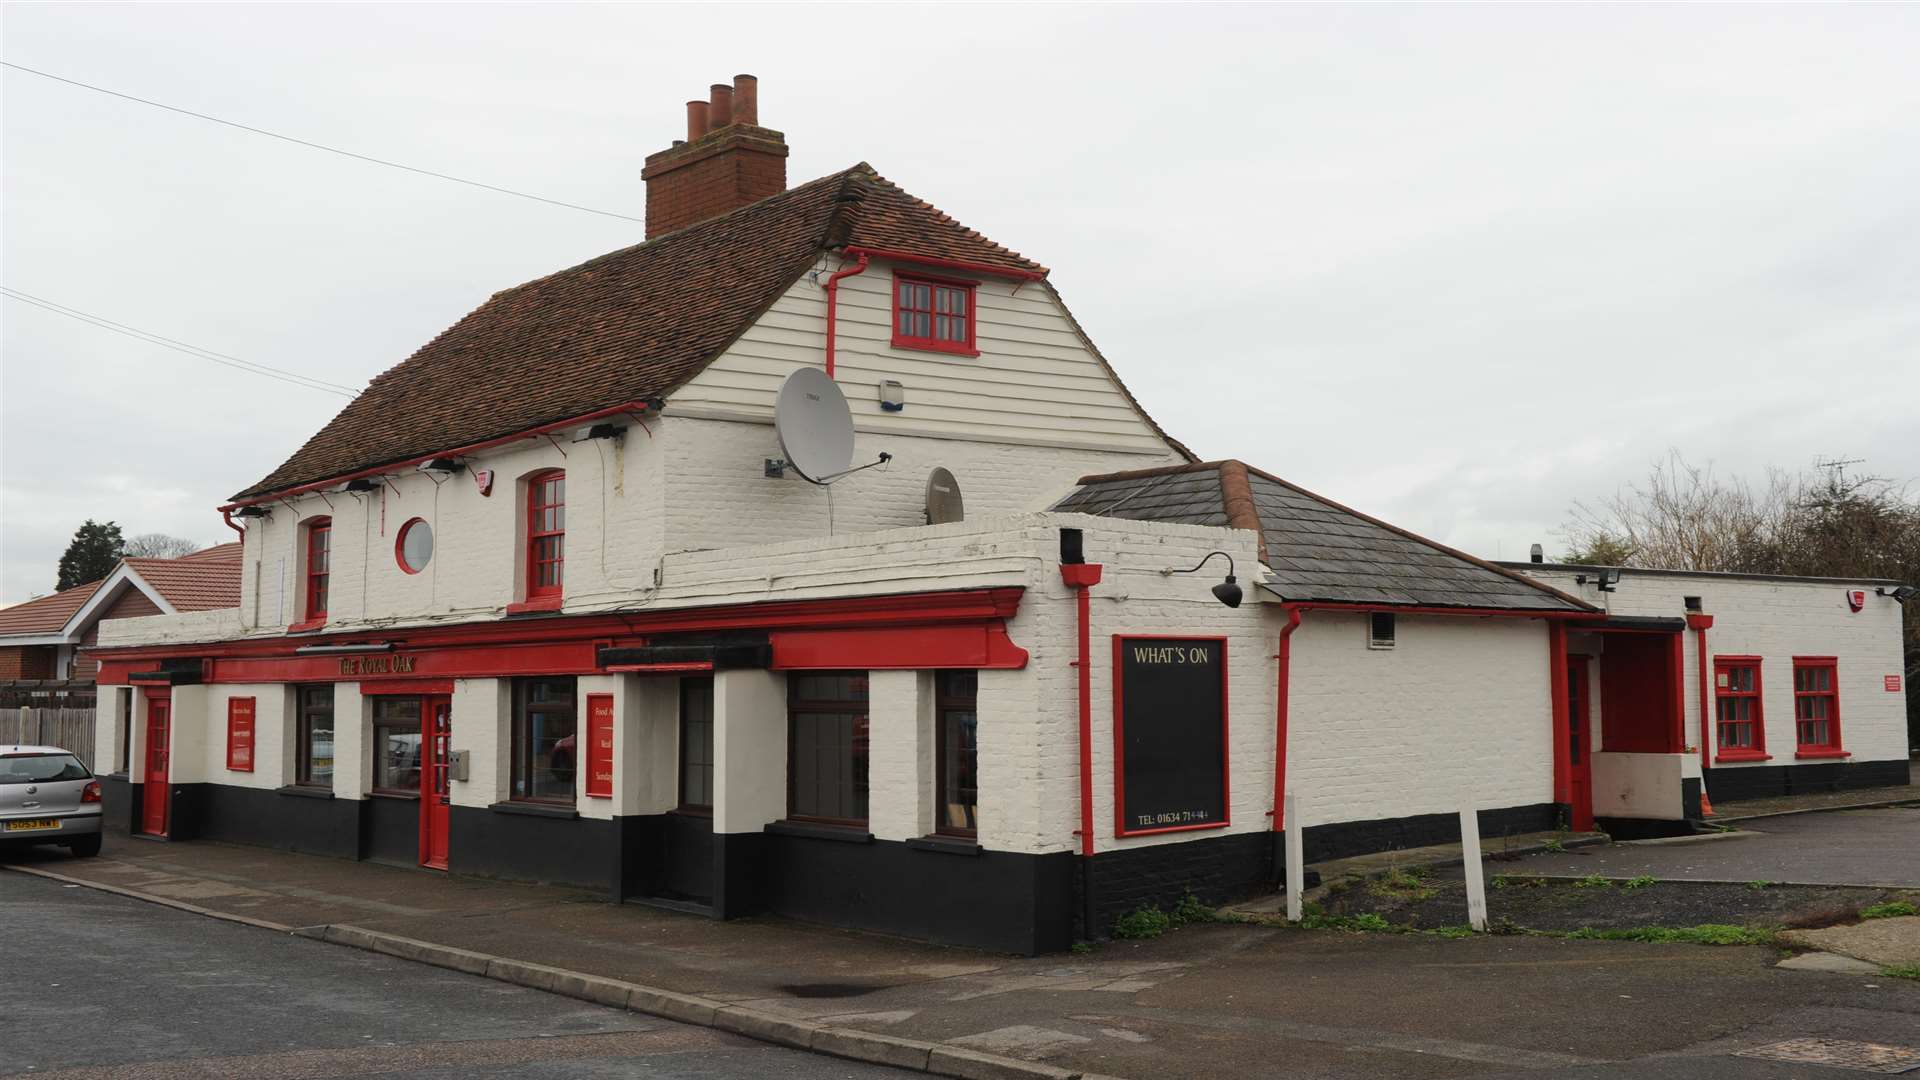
x,y
314,599
537,594
969,347
400,545
1835,748
1758,752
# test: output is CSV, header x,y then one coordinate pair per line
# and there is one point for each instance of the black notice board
x,y
1170,733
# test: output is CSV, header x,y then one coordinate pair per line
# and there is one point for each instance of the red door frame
x,y
156,748
1579,737
436,737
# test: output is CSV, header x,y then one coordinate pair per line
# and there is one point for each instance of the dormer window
x,y
318,561
933,313
546,535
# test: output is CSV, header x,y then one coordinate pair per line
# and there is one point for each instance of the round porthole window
x,y
414,548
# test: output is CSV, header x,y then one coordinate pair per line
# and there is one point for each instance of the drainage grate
x,y
1839,1054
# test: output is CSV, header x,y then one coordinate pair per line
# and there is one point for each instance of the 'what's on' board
x,y
1172,654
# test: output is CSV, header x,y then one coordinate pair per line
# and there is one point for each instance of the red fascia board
x,y
1420,609
458,451
948,264
893,610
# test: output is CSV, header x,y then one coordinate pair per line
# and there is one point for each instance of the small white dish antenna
x,y
943,498
814,424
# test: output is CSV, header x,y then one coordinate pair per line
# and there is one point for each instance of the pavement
x,y
1206,1001
1893,942
1879,847
120,988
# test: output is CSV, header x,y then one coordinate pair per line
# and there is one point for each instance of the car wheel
x,y
86,846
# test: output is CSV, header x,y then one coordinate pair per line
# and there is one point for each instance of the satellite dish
x,y
943,498
814,424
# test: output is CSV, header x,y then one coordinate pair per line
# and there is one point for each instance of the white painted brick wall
x,y
1459,708
1777,621
482,709
272,735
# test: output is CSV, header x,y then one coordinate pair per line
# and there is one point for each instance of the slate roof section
x,y
201,581
627,326
1316,549
46,614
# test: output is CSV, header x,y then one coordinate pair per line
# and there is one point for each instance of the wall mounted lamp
x,y
1228,591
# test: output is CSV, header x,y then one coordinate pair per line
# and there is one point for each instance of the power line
x,y
319,146
248,366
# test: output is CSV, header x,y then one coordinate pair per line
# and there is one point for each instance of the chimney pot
x,y
746,100
722,113
696,119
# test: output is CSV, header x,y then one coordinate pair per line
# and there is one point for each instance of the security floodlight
x,y
441,465
254,511
1900,593
1228,591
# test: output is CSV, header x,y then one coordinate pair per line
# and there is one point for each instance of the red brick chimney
x,y
727,161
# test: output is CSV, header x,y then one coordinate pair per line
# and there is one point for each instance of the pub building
x,y
566,597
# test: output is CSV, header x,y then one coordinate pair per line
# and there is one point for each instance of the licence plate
x,y
30,824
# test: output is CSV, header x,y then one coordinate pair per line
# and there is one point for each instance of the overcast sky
x,y
1455,266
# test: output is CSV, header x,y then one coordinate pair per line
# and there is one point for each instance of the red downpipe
x,y
1700,624
227,516
1558,707
1081,577
833,302
1284,659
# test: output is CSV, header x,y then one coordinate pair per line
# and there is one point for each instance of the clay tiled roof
x,y
197,582
1317,549
627,326
47,614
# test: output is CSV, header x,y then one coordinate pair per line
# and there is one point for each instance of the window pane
x,y
828,745
696,742
313,747
958,734
396,743
545,740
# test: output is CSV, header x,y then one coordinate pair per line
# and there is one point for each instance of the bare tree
x,y
158,546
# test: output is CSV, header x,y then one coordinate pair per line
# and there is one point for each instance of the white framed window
x,y
1382,629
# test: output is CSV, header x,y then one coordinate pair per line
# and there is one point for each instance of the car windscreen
x,y
40,768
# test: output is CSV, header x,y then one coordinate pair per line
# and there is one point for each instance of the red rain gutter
x,y
1081,577
471,448
833,301
227,516
1699,624
866,253
1284,658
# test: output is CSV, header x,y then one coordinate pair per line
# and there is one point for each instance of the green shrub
x,y
1704,934
1890,909
1191,910
1142,922
1640,882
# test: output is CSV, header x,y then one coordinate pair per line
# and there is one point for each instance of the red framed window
x,y
1816,706
1740,721
933,313
319,561
546,534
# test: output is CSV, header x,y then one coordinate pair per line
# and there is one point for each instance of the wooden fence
x,y
71,729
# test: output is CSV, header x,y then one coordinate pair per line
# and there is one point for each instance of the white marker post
x,y
1470,860
1296,857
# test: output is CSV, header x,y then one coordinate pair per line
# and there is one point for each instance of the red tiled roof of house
x,y
197,582
627,326
46,614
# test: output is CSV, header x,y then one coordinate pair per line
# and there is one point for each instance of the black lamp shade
x,y
1228,592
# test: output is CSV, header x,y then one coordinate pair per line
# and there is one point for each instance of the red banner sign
x,y
1893,684
600,746
240,734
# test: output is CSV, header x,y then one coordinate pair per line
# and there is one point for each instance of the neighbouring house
x,y
43,638
551,601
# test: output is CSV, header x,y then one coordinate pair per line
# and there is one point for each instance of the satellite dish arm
x,y
825,480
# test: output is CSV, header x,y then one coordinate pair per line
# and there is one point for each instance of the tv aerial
x,y
944,505
815,428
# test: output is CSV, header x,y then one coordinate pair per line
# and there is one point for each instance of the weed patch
x,y
1890,909
1148,921
1903,971
1367,923
1756,886
1593,881
1705,934
1640,882
1409,885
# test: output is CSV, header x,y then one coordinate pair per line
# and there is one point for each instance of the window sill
x,y
845,834
931,346
397,796
534,606
305,791
308,626
532,809
1821,754
1736,755
946,845
693,811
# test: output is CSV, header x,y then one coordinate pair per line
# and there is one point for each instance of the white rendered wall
x,y
898,787
1777,621
352,742
108,723
272,758
188,737
1460,708
482,711
646,748
749,750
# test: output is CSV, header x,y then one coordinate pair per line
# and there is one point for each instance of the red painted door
x,y
1579,744
437,718
153,789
